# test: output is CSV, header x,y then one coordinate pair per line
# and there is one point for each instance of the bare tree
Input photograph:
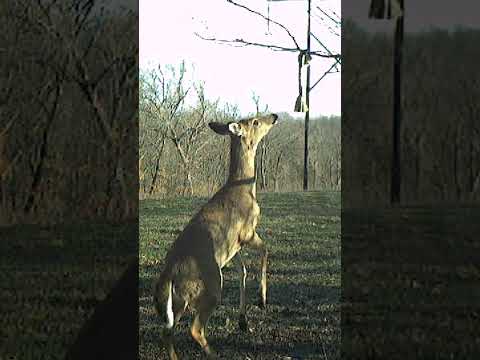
x,y
165,100
74,58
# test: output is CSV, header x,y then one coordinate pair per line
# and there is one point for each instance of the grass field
x,y
411,282
302,319
52,279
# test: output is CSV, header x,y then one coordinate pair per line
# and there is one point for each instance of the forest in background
x,y
68,112
440,150
180,155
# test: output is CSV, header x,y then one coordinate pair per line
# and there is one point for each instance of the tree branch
x,y
329,71
242,42
337,22
328,56
337,57
268,19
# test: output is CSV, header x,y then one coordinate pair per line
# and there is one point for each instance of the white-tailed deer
x,y
193,267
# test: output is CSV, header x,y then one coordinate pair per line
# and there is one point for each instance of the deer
x,y
192,275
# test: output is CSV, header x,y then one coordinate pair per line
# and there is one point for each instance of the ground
x,y
302,319
52,278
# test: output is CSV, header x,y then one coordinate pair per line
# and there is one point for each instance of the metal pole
x,y
397,109
307,113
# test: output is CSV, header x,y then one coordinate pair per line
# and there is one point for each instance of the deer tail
x,y
163,298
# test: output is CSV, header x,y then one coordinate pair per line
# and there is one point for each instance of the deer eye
x,y
255,122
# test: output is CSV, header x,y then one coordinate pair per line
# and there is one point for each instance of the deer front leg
x,y
258,244
242,321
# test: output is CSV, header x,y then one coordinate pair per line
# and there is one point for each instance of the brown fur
x,y
192,275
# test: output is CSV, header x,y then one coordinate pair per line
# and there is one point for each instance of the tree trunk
x,y
190,182
277,166
264,167
330,178
157,168
185,163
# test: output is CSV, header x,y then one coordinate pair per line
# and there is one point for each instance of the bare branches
x,y
327,56
329,71
83,10
336,56
241,42
83,73
267,18
336,21
167,111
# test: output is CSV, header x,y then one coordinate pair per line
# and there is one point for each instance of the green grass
x,y
411,282
52,279
302,319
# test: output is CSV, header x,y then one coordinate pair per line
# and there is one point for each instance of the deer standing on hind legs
x,y
193,267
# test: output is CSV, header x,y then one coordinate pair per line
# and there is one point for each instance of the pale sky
x,y
233,73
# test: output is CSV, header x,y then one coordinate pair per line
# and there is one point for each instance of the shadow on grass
x,y
241,346
53,278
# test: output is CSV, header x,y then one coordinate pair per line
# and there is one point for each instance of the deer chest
x,y
252,215
249,224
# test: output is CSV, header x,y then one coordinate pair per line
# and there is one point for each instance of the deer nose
x,y
275,118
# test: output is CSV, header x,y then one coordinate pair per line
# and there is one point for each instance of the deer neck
x,y
242,165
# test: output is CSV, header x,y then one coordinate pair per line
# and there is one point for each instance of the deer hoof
x,y
211,354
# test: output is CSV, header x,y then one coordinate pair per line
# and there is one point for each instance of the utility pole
x,y
397,109
307,113
394,9
304,105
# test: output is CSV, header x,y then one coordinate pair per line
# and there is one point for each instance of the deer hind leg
x,y
242,321
170,343
200,322
175,308
205,305
178,306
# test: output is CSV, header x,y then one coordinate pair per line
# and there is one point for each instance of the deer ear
x,y
235,129
219,128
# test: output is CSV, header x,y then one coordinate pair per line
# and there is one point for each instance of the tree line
x,y
440,155
68,105
180,155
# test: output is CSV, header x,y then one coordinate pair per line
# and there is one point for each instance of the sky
x,y
233,74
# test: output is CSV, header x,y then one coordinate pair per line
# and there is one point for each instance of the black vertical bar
x,y
397,109
307,113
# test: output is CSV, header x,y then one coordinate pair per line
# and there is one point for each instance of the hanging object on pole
x,y
303,64
385,9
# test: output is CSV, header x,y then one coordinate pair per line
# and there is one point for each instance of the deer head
x,y
245,136
246,133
